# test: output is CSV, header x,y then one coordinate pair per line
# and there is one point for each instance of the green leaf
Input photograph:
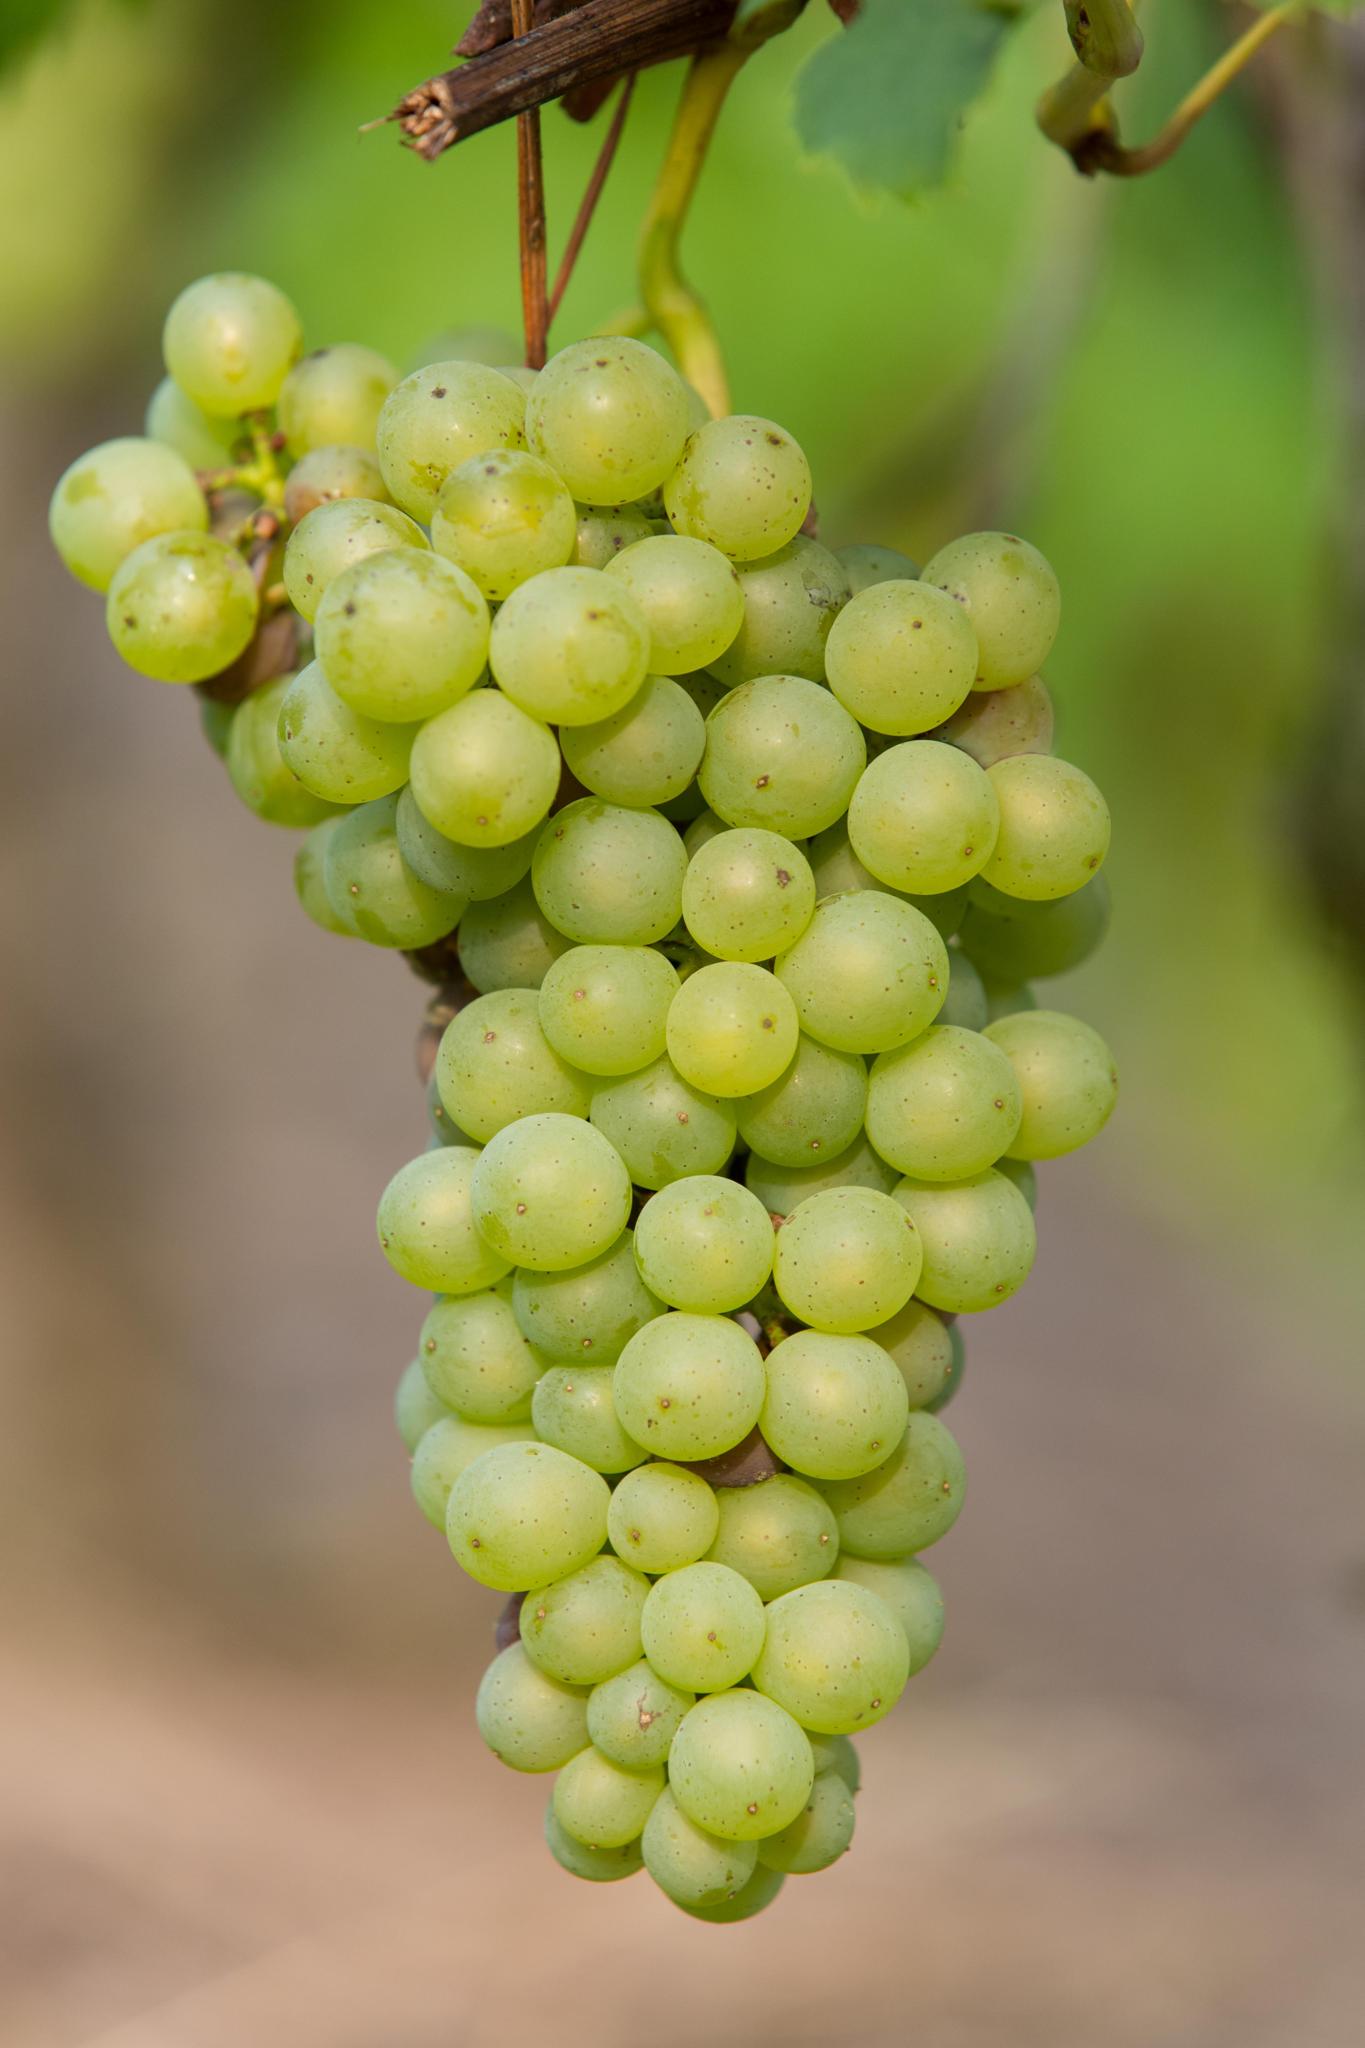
x,y
886,97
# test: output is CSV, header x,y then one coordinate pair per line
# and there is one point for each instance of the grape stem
x,y
593,192
535,310
261,475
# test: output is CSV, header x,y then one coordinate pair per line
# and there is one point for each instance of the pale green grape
x,y
921,1347
117,496
585,1626
597,1802
439,417
588,1312
483,772
504,517
598,1866
662,1127
689,1865
571,646
732,1029
310,880
812,1112
415,1407
402,634
907,1503
966,1004
446,1448
702,829
334,538
782,754
780,1188
753,1897
215,722
329,474
524,1515
550,1192
1054,828
742,484
1009,592
747,895
834,1656
834,864
1006,999
229,342
924,817
333,398
845,1261
603,532
865,563
261,777
506,943
777,1535
369,884
689,1386
633,1716
945,912
181,607
790,601
610,415
1066,1076
820,1833
476,1360
427,1227
530,1721
443,1125
477,872
702,1627
835,1405
912,1595
605,1008
607,875
1012,941
940,1401
978,1239
704,1244
574,1409
689,596
836,1753
177,422
740,1766
662,1517
644,754
944,1107
335,751
495,1064
901,656
868,973
994,724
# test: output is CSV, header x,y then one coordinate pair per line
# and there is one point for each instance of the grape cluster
x,y
735,857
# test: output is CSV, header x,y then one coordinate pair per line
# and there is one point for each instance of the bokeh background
x,y
242,1796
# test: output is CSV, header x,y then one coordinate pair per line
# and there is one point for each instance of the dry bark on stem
x,y
531,213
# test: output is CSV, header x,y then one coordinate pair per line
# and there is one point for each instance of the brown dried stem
x,y
593,192
531,212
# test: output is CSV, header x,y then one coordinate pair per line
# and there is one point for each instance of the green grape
x,y
605,1008
1009,592
865,563
924,817
588,1312
443,1126
834,1656
907,1503
740,1766
479,873
644,754
936,1406
781,753
504,517
978,1239
524,1515
598,1803
551,1192
603,531
944,1107
868,973
834,864
780,1188
495,1064
1054,828
117,496
571,646
402,634
1066,1076
690,1866
742,484
1012,941
368,883
702,1627
689,1386
446,1449
945,912
256,769
329,474
662,1517
586,1626
704,1244
777,1535
574,1409
994,724
334,538
835,1405
966,1004
836,1753
812,1112
215,722
335,751
333,398
820,1833
605,875
701,830
844,1260
751,1898
901,657
689,596
732,1029
181,607
415,1407
747,895
912,1595
506,943
633,1716
177,422
530,1721
1021,1172
921,1347
661,1127
310,880
610,415
427,1227
476,1360
230,340
790,601
1006,999
439,417
483,772
598,1866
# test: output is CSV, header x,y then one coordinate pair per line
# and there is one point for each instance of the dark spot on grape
x,y
489,1036
767,1023
783,877
601,362
438,390
683,1116
752,1807
710,1635
349,609
129,622
521,1208
430,1344
774,440
475,1544
915,625
762,782
490,469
